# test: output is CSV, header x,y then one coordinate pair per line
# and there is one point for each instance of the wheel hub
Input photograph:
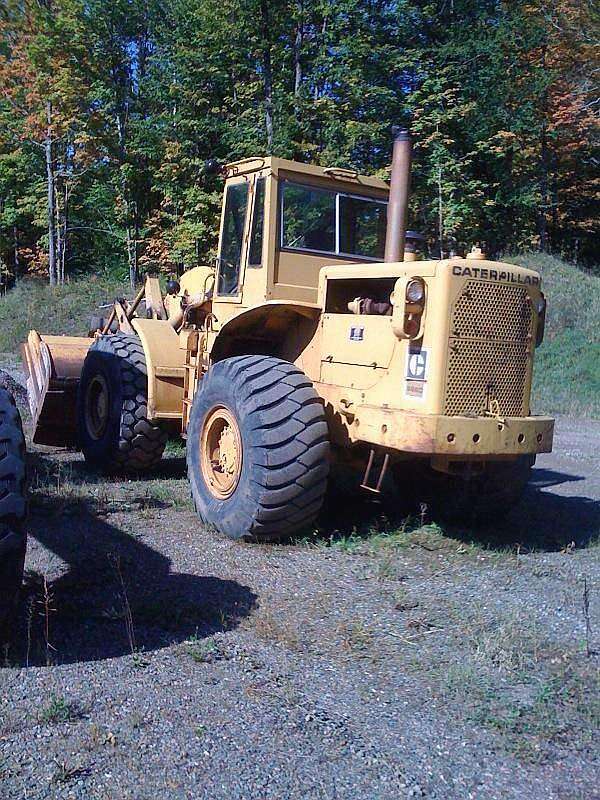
x,y
221,452
97,406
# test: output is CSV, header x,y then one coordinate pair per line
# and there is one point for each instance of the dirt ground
x,y
377,658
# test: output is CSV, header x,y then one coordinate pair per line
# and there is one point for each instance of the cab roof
x,y
274,166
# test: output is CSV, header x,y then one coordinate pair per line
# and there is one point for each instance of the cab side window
x,y
230,256
258,224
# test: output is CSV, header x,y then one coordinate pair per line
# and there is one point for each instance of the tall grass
x,y
62,309
567,365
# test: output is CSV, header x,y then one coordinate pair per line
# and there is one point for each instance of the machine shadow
x,y
541,520
118,596
171,466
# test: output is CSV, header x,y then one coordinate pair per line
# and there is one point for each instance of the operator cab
x,y
283,221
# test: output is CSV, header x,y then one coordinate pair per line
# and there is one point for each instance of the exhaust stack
x,y
399,195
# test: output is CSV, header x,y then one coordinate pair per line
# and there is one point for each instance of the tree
x,y
45,101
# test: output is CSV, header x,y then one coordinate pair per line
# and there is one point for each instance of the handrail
x,y
342,172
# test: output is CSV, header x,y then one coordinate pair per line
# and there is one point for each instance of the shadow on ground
x,y
541,520
171,467
118,596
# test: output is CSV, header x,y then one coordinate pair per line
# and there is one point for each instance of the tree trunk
x,y
298,42
16,246
50,180
321,47
132,254
64,234
544,193
59,233
544,169
267,72
440,212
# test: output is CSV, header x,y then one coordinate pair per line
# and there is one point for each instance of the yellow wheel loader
x,y
318,338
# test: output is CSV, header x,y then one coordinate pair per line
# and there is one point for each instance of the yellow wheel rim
x,y
97,406
221,452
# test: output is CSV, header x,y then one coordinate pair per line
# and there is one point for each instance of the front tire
x,y
13,536
115,433
257,449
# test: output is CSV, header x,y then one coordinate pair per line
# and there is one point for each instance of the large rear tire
x,y
114,431
13,535
257,449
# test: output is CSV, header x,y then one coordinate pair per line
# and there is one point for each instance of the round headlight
x,y
415,291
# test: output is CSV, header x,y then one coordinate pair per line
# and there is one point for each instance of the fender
x,y
266,323
165,363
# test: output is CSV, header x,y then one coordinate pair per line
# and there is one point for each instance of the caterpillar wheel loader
x,y
13,536
319,337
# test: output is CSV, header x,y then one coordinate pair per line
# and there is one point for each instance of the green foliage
x,y
134,95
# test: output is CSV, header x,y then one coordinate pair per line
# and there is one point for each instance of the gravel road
x,y
392,663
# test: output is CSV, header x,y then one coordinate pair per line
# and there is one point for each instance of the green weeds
x,y
58,710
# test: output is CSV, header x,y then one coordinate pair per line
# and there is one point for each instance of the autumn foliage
x,y
108,112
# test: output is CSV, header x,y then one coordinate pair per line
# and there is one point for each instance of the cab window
x,y
230,255
308,218
362,226
325,221
258,223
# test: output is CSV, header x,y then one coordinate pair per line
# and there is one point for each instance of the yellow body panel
x,y
165,363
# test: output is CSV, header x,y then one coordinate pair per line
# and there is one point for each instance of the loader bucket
x,y
53,366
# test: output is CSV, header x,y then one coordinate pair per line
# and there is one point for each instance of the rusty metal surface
x,y
399,195
461,437
53,366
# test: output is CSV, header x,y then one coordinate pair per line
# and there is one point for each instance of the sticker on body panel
x,y
357,333
416,365
416,374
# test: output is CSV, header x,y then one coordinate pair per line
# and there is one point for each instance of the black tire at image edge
x,y
13,535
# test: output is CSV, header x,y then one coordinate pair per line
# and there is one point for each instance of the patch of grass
x,y
175,447
356,638
204,651
66,773
276,630
567,365
561,710
513,646
175,494
515,682
58,710
385,538
62,309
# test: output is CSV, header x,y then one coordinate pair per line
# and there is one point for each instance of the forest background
x,y
109,111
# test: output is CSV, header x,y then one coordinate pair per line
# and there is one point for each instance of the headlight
x,y
415,291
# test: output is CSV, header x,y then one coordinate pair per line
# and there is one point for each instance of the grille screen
x,y
488,356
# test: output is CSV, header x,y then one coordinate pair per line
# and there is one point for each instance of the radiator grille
x,y
489,346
